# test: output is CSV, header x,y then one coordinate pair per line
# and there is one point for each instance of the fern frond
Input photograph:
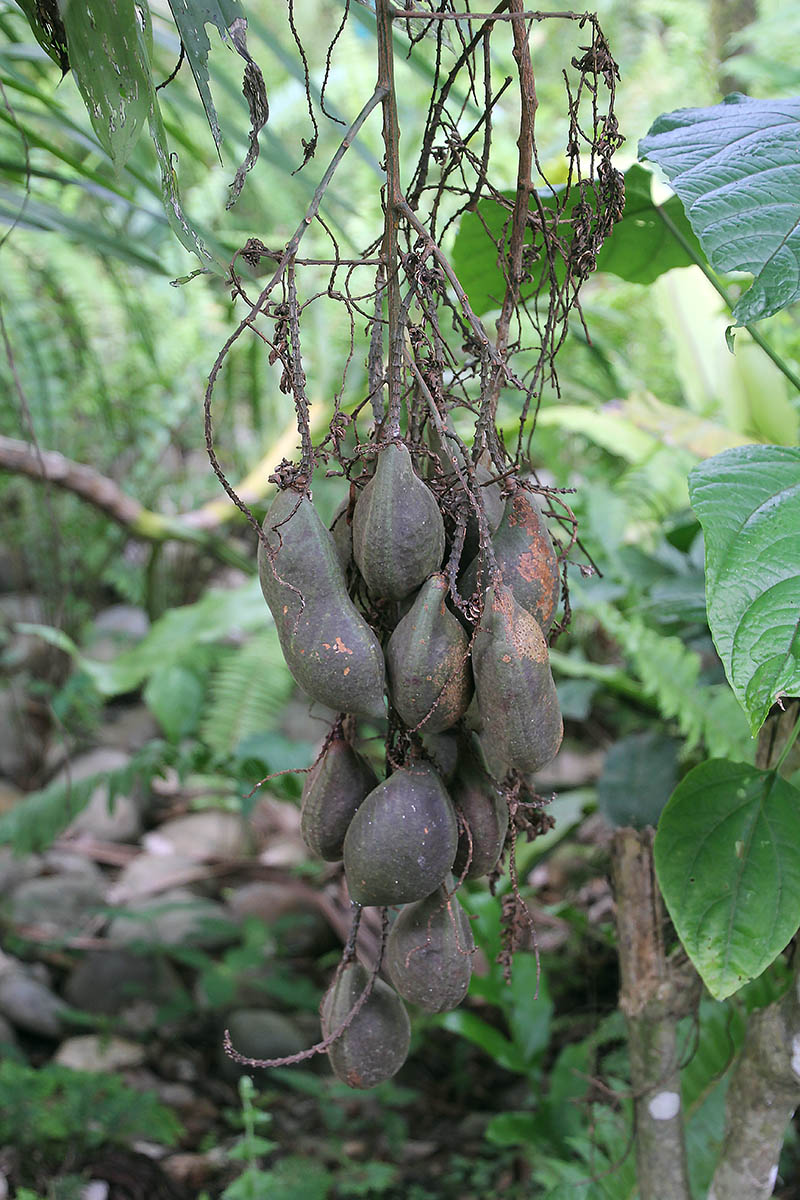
x,y
669,673
248,693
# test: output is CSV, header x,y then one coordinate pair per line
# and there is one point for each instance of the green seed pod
x,y
427,660
375,1044
398,532
526,558
429,952
402,841
449,453
517,698
328,646
485,810
443,750
334,789
342,534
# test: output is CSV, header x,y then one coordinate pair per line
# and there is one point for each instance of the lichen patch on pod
x,y
427,659
333,791
398,532
516,694
429,952
526,558
402,841
328,646
375,1044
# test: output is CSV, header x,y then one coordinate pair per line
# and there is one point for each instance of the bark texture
x,y
654,994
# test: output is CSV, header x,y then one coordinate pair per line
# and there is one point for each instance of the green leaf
x,y
109,53
638,777
529,1008
481,1034
649,239
111,68
191,18
748,502
34,823
248,695
219,614
512,1129
736,167
175,697
50,34
643,244
728,864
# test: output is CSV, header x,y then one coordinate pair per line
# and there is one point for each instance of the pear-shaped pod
x,y
526,558
429,952
516,695
375,1044
443,750
328,646
427,659
342,534
402,841
485,811
334,789
398,532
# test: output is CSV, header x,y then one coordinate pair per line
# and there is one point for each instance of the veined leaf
x,y
736,167
728,864
748,502
649,239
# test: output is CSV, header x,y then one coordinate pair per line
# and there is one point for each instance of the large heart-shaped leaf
x,y
736,167
748,501
727,856
642,245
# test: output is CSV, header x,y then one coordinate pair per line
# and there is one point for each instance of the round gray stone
x,y
58,906
176,917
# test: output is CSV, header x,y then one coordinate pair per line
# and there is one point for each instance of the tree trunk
x,y
726,18
654,994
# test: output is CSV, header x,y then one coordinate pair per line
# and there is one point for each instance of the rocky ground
x,y
154,923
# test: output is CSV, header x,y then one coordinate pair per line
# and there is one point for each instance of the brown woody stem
x,y
653,997
392,199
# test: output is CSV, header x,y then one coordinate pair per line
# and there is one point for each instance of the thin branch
x,y
103,493
392,198
527,14
654,995
247,321
519,216
700,262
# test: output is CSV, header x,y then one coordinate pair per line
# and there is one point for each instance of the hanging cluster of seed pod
x,y
371,626
423,613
